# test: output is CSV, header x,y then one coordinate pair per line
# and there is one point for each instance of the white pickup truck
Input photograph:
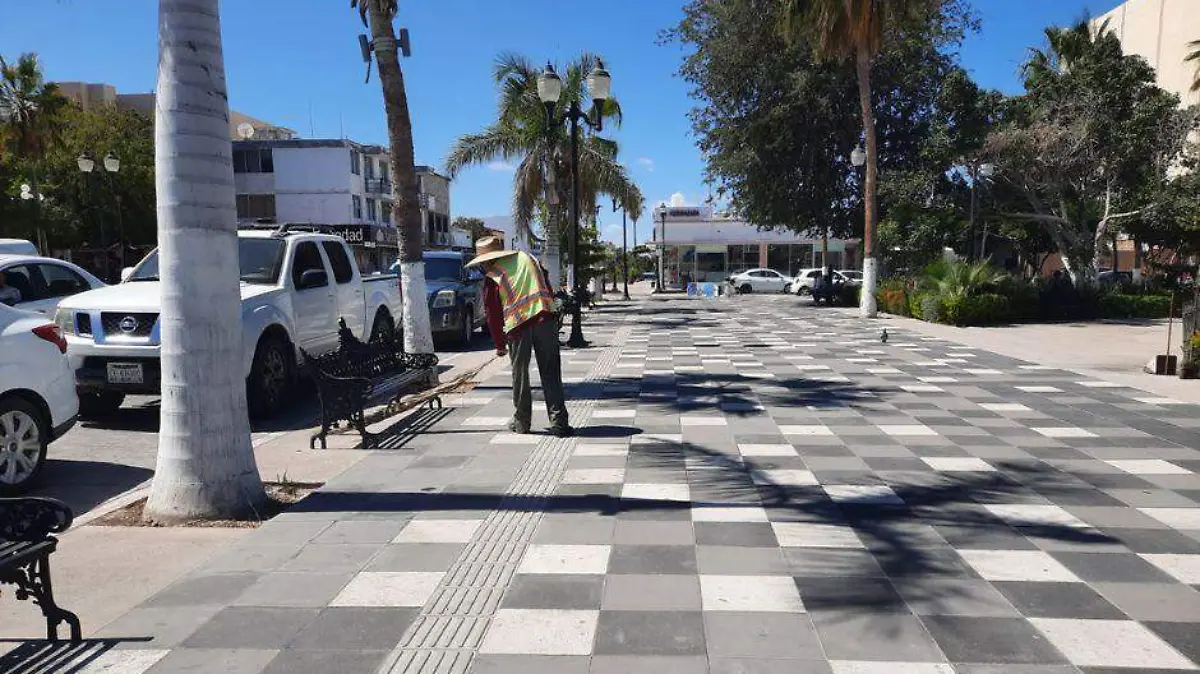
x,y
295,287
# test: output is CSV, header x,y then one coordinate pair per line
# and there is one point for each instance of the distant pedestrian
x,y
8,294
523,322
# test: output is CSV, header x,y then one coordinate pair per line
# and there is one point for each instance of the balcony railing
x,y
378,185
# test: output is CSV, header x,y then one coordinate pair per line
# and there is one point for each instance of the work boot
x,y
562,431
518,428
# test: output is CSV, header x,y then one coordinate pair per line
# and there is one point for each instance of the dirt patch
x,y
280,497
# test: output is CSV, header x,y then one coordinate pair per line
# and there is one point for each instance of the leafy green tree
x,y
474,226
1089,146
542,181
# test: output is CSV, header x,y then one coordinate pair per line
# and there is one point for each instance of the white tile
x,y
1184,568
1176,518
702,513
565,559
487,422
1064,432
601,450
883,370
438,531
389,588
703,421
1005,407
657,438
515,439
785,477
594,476
540,632
1027,565
814,535
767,450
867,667
906,430
805,430
750,593
938,380
1036,367
921,388
862,494
1031,514
476,399
132,661
1148,467
958,464
983,372
861,360
1161,401
614,414
1039,389
656,492
1110,643
1098,384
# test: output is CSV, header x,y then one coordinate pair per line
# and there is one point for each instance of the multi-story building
x,y
696,243
435,209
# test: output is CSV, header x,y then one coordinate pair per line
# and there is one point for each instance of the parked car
x,y
455,296
295,286
17,247
760,281
852,275
37,394
806,278
1118,278
40,283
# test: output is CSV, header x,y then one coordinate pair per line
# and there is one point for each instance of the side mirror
x,y
474,275
313,278
126,273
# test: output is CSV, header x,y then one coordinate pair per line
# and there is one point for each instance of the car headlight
x,y
65,320
444,298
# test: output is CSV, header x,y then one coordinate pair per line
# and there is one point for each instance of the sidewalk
x,y
758,487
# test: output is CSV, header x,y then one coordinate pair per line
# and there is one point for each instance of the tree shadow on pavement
x,y
83,485
58,657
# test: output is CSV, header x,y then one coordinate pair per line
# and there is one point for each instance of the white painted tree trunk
x,y
205,466
552,257
418,337
866,306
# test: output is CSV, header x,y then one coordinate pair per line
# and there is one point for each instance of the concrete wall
x,y
1159,31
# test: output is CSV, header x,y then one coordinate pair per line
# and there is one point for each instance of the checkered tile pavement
x,y
759,487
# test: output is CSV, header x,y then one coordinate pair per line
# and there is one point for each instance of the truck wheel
x,y
383,329
271,377
465,329
24,434
97,404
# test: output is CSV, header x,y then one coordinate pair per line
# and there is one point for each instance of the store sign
x,y
683,212
368,236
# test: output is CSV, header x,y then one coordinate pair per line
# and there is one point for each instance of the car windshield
x,y
258,259
442,269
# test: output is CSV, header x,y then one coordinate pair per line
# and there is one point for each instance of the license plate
x,y
125,373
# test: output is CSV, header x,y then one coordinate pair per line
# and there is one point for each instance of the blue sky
x,y
287,57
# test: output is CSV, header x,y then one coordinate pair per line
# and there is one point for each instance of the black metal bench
x,y
26,541
357,374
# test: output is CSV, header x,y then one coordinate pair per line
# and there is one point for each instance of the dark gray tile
x,y
1058,600
1155,541
825,562
954,596
661,559
300,589
224,660
1183,637
1154,601
858,595
332,558
991,640
883,637
761,635
740,561
554,591
323,662
219,589
166,627
355,628
1111,567
746,534
642,664
416,557
650,633
251,627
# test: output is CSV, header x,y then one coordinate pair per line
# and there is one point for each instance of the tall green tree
x,y
474,226
853,30
542,181
379,17
1090,145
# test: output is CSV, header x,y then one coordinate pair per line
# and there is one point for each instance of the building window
x,y
356,206
253,161
369,168
385,208
383,170
355,162
256,206
742,258
371,209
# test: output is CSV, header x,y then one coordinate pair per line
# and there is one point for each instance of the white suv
x,y
37,394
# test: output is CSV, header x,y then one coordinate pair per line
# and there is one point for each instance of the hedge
x,y
1022,302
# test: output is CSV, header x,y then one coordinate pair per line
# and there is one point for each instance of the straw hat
x,y
489,248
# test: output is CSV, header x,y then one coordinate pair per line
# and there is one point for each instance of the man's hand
x,y
502,351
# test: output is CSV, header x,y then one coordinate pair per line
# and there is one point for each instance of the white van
x,y
17,247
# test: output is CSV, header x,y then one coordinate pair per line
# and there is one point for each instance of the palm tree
x,y
541,184
1194,57
29,116
1065,48
841,30
205,466
378,16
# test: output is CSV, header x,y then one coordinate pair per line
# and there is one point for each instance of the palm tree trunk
x,y
418,337
870,269
205,466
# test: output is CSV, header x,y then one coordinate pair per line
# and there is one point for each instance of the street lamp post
x,y
662,247
858,158
111,165
984,171
624,247
87,165
550,88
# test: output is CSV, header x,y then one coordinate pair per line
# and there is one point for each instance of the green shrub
x,y
1121,305
850,295
929,307
984,309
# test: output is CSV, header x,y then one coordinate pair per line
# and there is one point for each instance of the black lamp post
x,y
662,255
624,246
984,171
550,88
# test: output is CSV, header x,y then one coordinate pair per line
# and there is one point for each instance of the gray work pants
x,y
540,340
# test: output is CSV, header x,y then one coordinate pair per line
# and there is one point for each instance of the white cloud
x,y
501,166
646,163
678,200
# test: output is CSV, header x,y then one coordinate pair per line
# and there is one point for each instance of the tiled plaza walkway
x,y
759,487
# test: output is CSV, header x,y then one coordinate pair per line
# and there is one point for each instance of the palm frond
x,y
494,143
363,6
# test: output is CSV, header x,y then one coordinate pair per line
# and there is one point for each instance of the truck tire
x,y
97,404
466,329
24,435
383,328
271,377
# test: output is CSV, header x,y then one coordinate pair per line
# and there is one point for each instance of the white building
x,y
695,243
1159,31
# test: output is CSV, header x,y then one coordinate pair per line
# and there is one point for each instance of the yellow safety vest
x,y
524,291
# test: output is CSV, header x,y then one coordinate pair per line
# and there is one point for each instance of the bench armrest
x,y
32,518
